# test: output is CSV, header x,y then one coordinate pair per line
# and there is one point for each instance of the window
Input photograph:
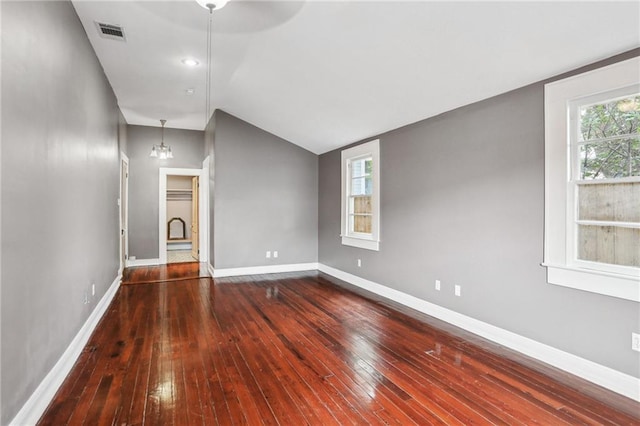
x,y
592,181
361,196
605,151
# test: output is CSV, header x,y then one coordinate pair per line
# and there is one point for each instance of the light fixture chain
x,y
162,122
209,60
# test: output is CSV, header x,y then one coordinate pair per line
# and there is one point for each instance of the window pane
x,y
360,211
359,223
361,167
612,202
613,118
612,159
609,244
361,205
362,186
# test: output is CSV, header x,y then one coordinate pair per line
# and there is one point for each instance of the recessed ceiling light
x,y
190,62
190,92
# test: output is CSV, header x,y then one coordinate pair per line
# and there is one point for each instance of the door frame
x,y
203,195
204,204
123,201
195,211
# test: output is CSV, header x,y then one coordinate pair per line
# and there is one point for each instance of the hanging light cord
x,y
209,73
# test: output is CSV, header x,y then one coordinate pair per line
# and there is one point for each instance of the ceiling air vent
x,y
113,32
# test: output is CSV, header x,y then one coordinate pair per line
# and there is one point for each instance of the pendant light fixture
x,y
161,151
211,5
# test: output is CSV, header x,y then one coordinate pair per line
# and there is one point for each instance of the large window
x,y
361,196
605,153
592,189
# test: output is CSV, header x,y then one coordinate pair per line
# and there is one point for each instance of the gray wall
x,y
187,147
209,150
59,190
266,197
122,133
462,200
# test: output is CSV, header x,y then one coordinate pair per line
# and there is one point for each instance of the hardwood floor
x,y
296,349
168,272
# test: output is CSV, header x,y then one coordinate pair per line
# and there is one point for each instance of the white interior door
x,y
195,214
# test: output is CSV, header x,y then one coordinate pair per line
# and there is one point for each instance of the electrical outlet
x,y
268,255
359,263
275,253
93,289
635,341
85,301
457,290
438,285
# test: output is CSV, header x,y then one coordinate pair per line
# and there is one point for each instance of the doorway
x,y
124,206
182,217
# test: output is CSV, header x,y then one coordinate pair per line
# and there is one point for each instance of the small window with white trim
x,y
361,196
592,181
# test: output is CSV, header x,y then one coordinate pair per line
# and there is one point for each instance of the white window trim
x,y
562,269
365,241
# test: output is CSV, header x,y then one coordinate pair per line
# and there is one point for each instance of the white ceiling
x,y
325,74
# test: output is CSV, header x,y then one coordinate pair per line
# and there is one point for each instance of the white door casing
x,y
123,204
203,194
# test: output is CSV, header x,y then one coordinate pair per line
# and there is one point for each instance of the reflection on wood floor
x,y
296,349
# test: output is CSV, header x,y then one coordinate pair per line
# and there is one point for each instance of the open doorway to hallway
x,y
183,225
182,219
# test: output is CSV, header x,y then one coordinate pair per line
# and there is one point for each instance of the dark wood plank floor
x,y
296,349
168,272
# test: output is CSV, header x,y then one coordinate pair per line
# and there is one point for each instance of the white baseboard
x,y
210,269
271,269
35,406
178,246
143,262
609,378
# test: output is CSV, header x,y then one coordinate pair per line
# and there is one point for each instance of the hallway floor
x,y
180,256
298,349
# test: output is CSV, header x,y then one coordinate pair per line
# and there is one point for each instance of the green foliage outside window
x,y
614,128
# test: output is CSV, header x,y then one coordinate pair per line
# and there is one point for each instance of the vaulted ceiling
x,y
322,74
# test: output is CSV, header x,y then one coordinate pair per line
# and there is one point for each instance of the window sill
x,y
605,283
361,243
